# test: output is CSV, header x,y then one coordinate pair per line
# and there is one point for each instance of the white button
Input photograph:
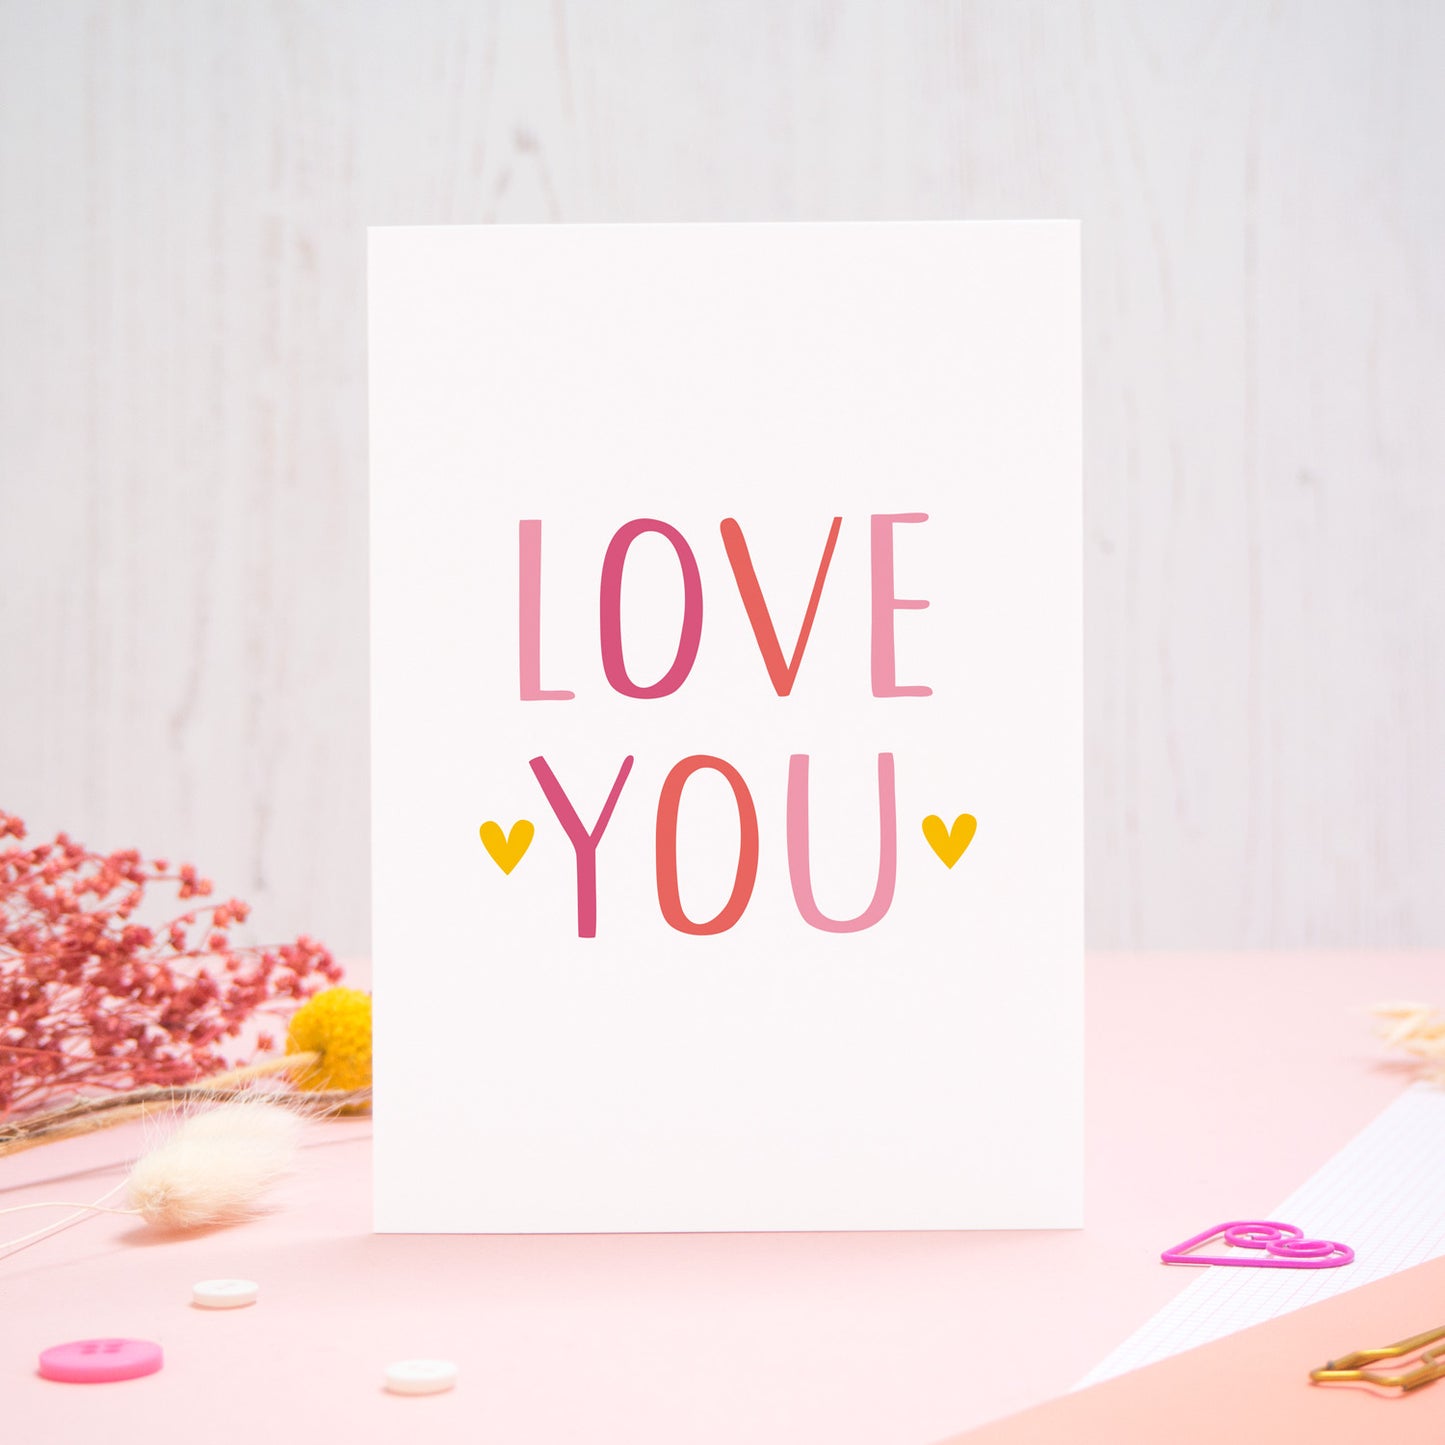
x,y
225,1294
420,1377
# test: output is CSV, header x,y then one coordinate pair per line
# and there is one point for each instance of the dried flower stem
x,y
84,1211
88,1116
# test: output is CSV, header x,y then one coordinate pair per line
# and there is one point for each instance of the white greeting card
x,y
726,727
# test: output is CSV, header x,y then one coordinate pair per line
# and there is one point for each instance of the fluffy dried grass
x,y
1415,1029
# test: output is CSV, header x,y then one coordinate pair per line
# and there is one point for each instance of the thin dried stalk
x,y
86,1116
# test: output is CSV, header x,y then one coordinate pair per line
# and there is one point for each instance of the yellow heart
x,y
507,848
950,843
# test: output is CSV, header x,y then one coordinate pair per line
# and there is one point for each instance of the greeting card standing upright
x,y
726,727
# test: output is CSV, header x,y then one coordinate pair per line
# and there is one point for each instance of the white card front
x,y
727,727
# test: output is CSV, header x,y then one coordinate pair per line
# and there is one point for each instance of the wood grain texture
x,y
184,191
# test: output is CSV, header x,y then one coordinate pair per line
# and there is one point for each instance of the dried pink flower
x,y
91,1000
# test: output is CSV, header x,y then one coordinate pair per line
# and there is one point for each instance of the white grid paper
x,y
1383,1195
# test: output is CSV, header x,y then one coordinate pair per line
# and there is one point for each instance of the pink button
x,y
88,1362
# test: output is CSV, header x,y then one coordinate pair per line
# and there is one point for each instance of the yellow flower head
x,y
337,1025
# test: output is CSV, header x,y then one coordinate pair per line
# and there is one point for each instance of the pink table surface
x,y
1216,1084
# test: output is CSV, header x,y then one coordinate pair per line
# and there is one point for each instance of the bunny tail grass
x,y
215,1168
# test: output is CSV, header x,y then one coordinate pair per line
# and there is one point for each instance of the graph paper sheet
x,y
1383,1194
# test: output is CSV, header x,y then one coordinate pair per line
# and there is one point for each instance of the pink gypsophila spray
x,y
93,999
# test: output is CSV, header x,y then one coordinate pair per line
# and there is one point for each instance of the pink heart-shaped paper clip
x,y
1280,1246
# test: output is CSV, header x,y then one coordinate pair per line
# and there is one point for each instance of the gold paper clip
x,y
1430,1366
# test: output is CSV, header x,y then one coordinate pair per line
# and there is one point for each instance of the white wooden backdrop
x,y
184,187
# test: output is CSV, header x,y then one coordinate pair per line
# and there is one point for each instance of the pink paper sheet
x,y
1255,1385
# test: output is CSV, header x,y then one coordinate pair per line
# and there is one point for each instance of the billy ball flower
x,y
335,1025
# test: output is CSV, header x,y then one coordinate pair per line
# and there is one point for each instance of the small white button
x,y
420,1377
225,1294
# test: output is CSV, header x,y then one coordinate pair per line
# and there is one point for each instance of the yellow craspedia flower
x,y
337,1025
